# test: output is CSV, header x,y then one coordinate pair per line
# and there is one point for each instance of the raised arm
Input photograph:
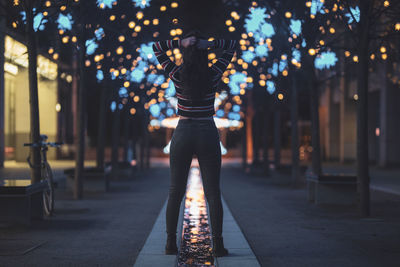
x,y
229,47
160,50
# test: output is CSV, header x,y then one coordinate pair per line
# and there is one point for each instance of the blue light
x,y
123,92
106,3
113,106
146,52
170,112
91,46
120,106
160,79
151,77
270,87
234,82
274,69
99,75
325,60
137,75
317,6
141,3
356,13
295,26
65,22
236,108
220,113
261,50
256,23
113,77
296,55
99,33
248,56
38,20
170,91
254,20
268,30
233,116
163,104
155,110
142,65
282,65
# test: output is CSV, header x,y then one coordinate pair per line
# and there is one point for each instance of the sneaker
x,y
170,247
218,247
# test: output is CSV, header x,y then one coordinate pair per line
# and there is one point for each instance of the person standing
x,y
196,132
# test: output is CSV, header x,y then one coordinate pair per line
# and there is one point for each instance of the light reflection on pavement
x,y
196,241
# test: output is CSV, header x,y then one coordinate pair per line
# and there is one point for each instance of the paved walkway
x,y
103,229
280,226
240,253
283,229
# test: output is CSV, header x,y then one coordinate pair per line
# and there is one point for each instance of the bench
x,y
94,179
21,201
332,189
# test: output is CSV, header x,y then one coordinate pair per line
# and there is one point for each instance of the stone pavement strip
x,y
152,253
240,253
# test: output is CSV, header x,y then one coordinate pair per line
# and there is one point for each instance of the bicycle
x,y
46,172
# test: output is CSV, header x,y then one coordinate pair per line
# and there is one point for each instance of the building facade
x,y
338,114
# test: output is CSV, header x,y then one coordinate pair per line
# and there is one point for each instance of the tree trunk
x,y
362,110
33,93
142,140
315,134
294,127
2,59
265,141
147,142
115,139
101,127
244,145
126,134
81,118
277,138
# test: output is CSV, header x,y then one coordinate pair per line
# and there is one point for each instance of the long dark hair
x,y
195,73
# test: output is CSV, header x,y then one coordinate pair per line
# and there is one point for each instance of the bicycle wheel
x,y
48,195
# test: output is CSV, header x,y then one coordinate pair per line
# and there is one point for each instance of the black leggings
x,y
199,137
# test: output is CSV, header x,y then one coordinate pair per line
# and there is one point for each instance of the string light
x,y
139,15
131,24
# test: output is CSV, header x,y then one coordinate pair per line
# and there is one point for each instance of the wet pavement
x,y
195,245
195,249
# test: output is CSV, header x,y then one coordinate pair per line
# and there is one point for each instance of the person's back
x,y
196,133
